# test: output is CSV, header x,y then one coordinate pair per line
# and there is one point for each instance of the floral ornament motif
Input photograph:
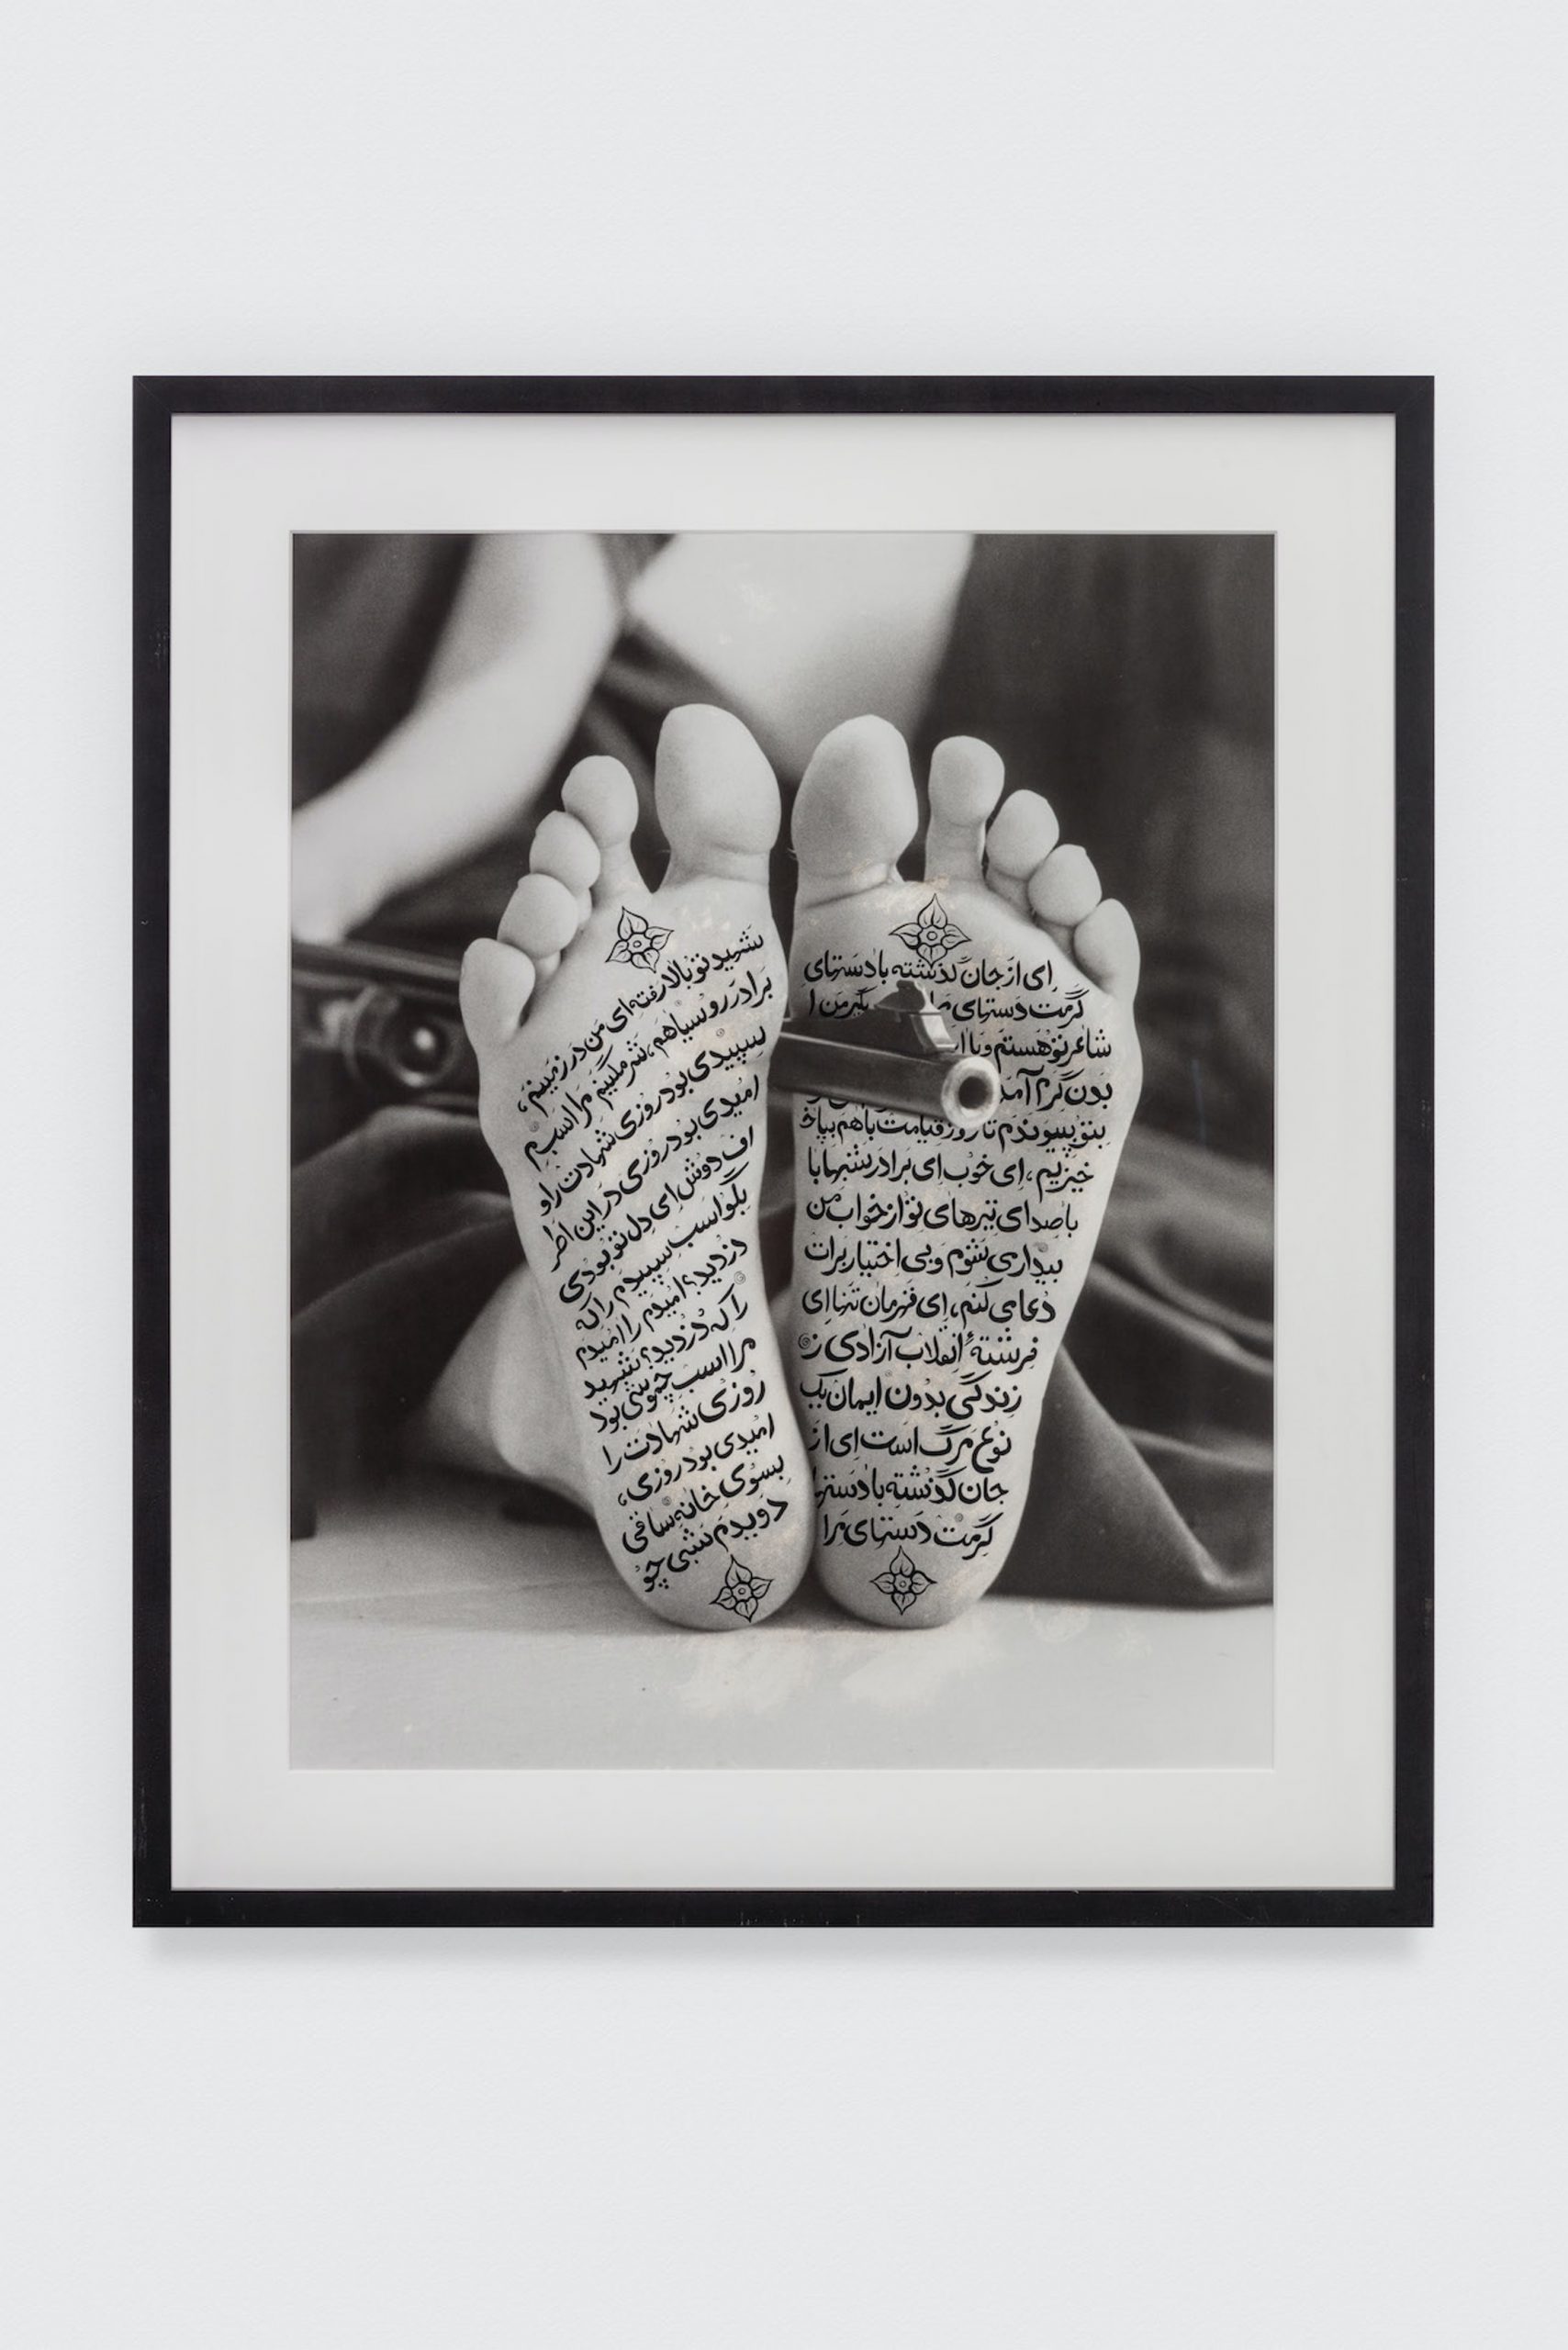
x,y
932,934
741,1591
639,941
903,1581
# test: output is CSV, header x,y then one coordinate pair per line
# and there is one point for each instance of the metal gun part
x,y
389,1017
898,1054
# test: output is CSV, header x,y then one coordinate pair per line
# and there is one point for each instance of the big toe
x,y
716,796
855,811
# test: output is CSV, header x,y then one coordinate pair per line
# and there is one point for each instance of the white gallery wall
x,y
229,2140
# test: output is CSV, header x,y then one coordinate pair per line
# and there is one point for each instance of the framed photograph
x,y
784,1151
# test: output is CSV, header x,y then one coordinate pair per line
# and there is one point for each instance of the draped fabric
x,y
1129,679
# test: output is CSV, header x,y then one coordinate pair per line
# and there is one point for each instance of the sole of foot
x,y
622,1037
936,1272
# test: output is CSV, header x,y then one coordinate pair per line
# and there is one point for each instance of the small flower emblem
x,y
932,934
638,941
741,1591
903,1581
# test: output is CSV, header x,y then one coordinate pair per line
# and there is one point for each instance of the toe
x,y
966,784
541,920
716,797
568,851
1063,890
855,811
493,989
602,797
1022,836
1105,948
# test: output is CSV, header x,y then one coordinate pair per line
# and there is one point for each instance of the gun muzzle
x,y
899,1054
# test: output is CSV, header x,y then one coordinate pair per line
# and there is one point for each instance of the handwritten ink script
x,y
928,1264
641,1137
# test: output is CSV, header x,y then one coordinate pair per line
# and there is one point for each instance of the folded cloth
x,y
1151,1481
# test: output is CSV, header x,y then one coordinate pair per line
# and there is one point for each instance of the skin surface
x,y
533,623
623,1040
955,1259
934,1271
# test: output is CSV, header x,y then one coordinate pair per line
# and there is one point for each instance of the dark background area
x,y
1129,678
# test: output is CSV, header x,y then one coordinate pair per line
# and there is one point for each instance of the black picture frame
x,y
1409,401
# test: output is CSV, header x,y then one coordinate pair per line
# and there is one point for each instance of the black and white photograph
x,y
785,1265
758,1113
774,1127
782,1141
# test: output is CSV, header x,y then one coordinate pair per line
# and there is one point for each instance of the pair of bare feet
x,y
623,1039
